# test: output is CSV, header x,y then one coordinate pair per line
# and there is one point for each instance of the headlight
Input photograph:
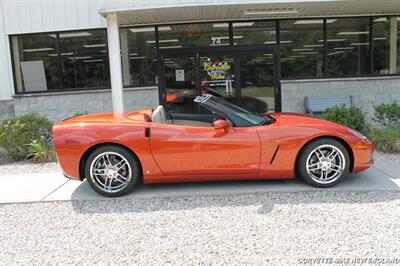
x,y
358,134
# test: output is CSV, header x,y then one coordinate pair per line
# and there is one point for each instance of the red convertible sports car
x,y
116,152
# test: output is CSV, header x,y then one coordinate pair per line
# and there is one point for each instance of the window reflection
x,y
398,45
57,61
180,74
179,71
84,59
301,45
257,82
79,59
217,74
194,35
381,43
138,50
252,33
36,63
348,47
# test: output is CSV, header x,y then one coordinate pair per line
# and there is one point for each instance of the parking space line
x,y
48,195
385,173
396,181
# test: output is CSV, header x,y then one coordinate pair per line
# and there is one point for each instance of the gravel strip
x,y
256,229
26,167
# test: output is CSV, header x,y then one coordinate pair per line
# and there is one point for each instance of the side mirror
x,y
221,124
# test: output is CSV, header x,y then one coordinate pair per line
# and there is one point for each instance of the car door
x,y
201,151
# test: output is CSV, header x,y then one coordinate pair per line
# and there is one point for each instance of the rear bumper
x,y
69,164
66,176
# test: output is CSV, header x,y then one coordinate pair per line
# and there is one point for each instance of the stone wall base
x,y
58,106
6,109
366,92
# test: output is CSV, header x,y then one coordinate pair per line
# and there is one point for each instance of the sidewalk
x,y
53,186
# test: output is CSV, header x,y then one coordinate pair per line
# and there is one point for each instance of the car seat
x,y
159,115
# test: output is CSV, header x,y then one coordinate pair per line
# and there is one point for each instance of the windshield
x,y
252,118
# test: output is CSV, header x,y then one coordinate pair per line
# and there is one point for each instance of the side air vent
x,y
273,156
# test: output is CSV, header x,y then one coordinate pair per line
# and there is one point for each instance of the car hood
x,y
300,119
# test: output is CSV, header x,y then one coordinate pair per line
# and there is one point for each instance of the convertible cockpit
x,y
210,109
159,115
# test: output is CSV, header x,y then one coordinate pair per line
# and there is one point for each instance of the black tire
x,y
134,165
301,166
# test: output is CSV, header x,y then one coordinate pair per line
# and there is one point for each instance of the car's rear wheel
x,y
112,171
324,163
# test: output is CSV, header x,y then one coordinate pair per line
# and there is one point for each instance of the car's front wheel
x,y
324,163
112,171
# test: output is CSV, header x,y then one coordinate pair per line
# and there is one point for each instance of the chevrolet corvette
x,y
115,152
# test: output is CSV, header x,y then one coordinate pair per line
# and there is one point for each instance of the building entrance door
x,y
246,77
258,83
179,82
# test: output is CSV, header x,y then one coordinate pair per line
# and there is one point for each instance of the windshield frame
x,y
237,115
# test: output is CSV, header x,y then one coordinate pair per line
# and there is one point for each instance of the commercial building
x,y
56,55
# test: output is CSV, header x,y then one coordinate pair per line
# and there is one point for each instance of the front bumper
x,y
363,156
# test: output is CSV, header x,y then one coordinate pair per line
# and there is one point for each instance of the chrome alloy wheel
x,y
110,172
325,164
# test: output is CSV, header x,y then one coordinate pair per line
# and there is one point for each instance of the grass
x,y
253,91
258,91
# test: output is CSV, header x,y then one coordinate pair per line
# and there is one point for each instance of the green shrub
x,y
41,151
16,134
388,114
385,140
352,117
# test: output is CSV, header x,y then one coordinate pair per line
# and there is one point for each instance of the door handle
x,y
147,132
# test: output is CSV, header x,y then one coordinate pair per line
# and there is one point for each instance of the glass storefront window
x,y
79,59
253,33
180,87
381,44
61,61
301,45
257,81
348,47
193,35
138,51
36,63
398,45
84,59
217,73
180,75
